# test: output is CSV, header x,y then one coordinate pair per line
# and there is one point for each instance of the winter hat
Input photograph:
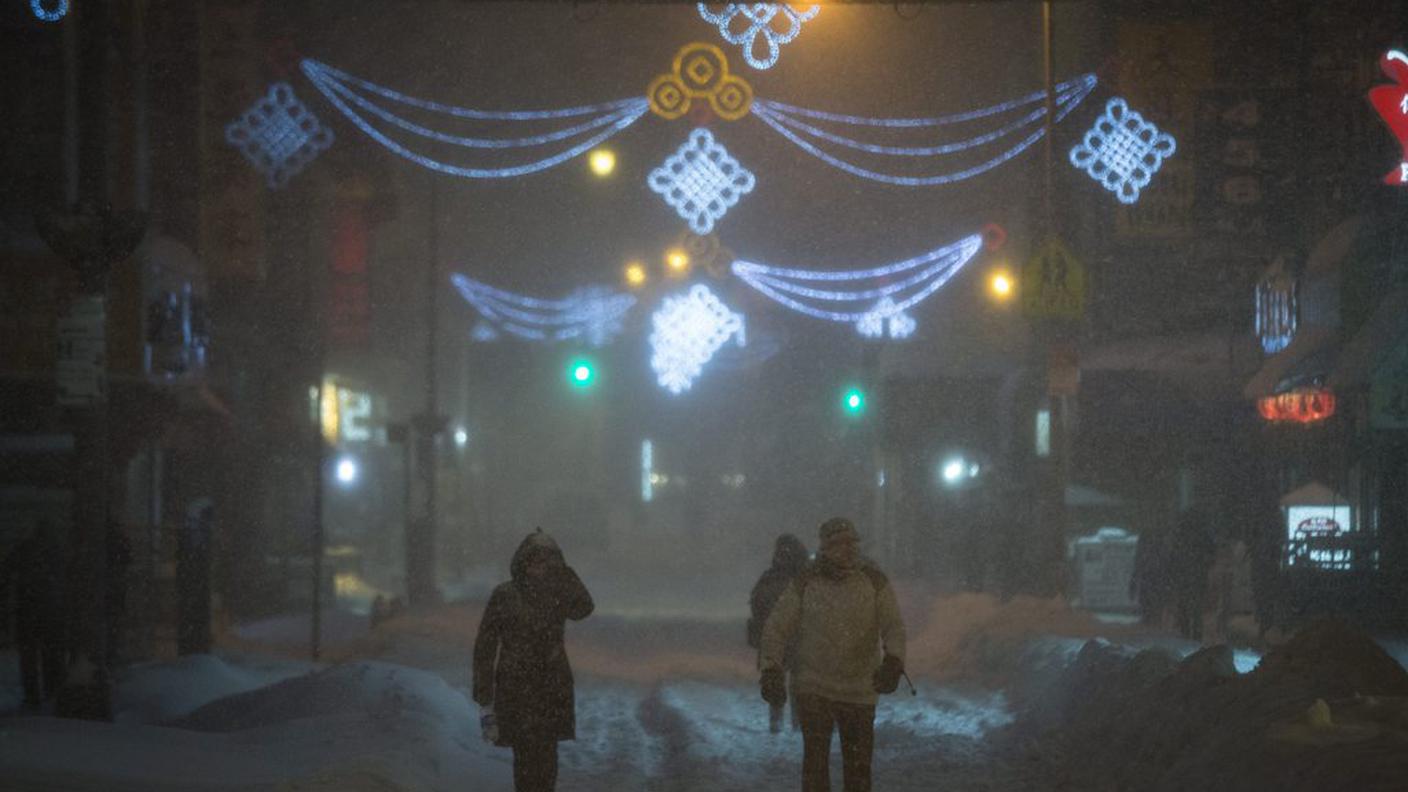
x,y
837,529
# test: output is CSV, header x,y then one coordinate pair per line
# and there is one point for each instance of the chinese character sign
x,y
1392,103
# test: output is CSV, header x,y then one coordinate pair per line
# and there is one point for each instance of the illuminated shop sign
x,y
1302,405
1392,103
345,414
1318,536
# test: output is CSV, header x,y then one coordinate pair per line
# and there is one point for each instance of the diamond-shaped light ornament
x,y
687,330
701,181
279,135
1122,151
743,23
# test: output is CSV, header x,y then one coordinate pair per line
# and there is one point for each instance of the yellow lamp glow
x,y
635,274
677,260
602,162
1001,284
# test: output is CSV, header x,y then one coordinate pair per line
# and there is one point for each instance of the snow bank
x,y
979,638
1329,710
153,693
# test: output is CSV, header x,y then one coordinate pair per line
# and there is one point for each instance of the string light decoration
x,y
1122,151
881,296
687,330
359,99
593,314
279,135
701,181
51,11
1276,309
1015,125
699,71
744,23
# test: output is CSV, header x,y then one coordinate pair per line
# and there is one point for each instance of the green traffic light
x,y
854,401
580,373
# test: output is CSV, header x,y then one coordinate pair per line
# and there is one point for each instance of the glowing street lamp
x,y
635,275
677,261
1002,285
461,437
602,162
346,471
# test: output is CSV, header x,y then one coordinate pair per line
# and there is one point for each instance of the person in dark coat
x,y
35,568
1192,548
521,673
789,555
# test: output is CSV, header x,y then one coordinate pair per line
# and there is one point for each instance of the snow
x,y
663,703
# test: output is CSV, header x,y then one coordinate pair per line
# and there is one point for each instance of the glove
x,y
774,687
489,725
887,676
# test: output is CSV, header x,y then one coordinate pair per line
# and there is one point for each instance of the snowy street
x,y
661,705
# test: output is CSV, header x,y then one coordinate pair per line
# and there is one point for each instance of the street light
x,y
1002,285
677,261
346,471
602,162
461,437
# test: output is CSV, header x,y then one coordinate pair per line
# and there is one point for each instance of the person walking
x,y
789,555
522,678
842,612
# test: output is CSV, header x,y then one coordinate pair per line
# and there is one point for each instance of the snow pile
x,y
1146,720
979,638
154,693
378,691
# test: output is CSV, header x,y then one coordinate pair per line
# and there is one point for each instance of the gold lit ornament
x,y
635,275
602,162
706,252
700,71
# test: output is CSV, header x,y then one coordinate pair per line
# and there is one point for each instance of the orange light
x,y
1302,405
635,274
677,260
1001,284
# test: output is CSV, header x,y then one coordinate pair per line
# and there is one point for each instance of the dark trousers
x,y
535,767
855,722
41,671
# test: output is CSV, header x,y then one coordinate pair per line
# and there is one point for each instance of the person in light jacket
x,y
850,647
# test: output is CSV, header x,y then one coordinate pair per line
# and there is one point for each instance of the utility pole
x,y
91,238
420,537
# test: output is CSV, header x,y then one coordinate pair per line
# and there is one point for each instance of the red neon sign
x,y
1392,103
1302,405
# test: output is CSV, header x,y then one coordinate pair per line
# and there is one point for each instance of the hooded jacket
x,y
520,659
840,619
789,555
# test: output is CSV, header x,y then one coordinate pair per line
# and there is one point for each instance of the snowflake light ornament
x,y
1122,151
744,23
886,319
687,330
279,135
701,181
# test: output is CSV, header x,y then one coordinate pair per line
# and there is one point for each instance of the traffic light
x,y
581,373
853,401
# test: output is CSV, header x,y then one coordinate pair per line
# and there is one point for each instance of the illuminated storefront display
x,y
1318,536
1276,309
1302,405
